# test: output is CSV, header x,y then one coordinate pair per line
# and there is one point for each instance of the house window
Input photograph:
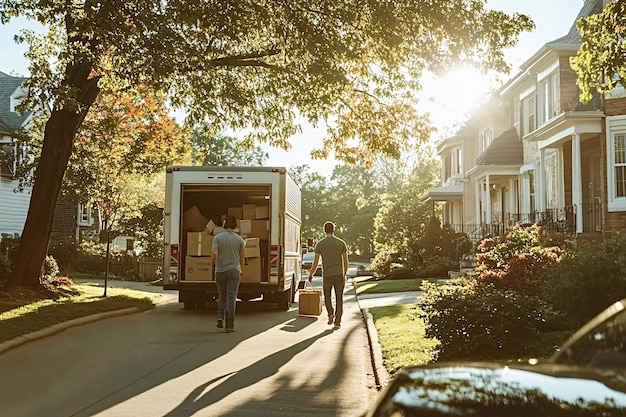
x,y
85,219
446,168
619,164
616,162
549,95
486,137
457,162
10,158
530,111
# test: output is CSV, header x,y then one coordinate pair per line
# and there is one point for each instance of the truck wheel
x,y
284,300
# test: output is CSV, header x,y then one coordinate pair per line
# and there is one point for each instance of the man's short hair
x,y
230,222
329,227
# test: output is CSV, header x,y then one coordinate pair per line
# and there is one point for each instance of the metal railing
x,y
551,221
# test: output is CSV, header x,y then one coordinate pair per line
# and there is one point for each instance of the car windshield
x,y
602,346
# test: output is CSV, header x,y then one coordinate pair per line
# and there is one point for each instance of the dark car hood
x,y
485,389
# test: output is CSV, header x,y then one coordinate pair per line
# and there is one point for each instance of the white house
x,y
13,204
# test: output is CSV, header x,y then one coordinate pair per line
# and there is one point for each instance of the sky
x,y
553,19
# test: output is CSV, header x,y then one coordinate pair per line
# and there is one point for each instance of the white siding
x,y
13,207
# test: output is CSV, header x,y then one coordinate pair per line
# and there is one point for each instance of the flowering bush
x,y
516,262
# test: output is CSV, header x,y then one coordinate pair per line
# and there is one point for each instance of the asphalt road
x,y
174,362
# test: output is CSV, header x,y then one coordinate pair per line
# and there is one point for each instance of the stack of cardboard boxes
x,y
253,222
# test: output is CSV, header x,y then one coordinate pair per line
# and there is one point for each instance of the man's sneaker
x,y
337,325
331,318
220,323
230,330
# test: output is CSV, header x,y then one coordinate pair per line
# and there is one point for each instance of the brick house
x,y
535,154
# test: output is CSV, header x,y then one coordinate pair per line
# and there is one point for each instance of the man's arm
x,y
214,255
242,258
316,259
345,264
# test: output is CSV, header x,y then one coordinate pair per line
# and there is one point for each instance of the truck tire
x,y
284,300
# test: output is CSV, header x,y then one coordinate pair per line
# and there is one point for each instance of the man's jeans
x,y
227,287
337,282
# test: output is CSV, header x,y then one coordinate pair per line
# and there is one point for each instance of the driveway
x,y
174,362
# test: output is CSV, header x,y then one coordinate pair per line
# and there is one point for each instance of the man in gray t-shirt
x,y
228,257
334,253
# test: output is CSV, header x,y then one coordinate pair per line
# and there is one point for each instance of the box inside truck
x,y
205,207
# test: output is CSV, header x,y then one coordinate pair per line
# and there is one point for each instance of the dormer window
x,y
486,137
16,99
457,162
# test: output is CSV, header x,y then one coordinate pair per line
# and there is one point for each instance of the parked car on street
x,y
512,390
586,377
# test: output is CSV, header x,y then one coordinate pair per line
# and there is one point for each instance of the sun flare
x,y
455,94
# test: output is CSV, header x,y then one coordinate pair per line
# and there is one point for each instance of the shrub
x,y
436,267
64,251
401,272
5,269
589,280
473,321
50,268
91,259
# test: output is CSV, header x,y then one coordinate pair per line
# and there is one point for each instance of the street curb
x,y
48,331
381,376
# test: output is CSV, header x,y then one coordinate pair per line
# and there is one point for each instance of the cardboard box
x,y
198,268
210,226
199,244
253,247
248,212
255,228
193,220
218,230
251,270
237,212
262,212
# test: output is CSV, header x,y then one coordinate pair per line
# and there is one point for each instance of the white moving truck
x,y
267,204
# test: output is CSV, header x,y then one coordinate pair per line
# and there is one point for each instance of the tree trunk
x,y
59,137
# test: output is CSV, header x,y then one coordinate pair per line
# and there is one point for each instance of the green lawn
x,y
401,335
45,313
370,286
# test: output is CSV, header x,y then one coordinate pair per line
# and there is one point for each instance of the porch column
x,y
512,207
560,179
479,196
541,182
488,196
577,182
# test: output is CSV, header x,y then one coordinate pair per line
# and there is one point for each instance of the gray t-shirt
x,y
331,249
228,245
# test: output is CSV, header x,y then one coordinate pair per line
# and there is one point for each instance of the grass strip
x,y
45,313
386,286
402,338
